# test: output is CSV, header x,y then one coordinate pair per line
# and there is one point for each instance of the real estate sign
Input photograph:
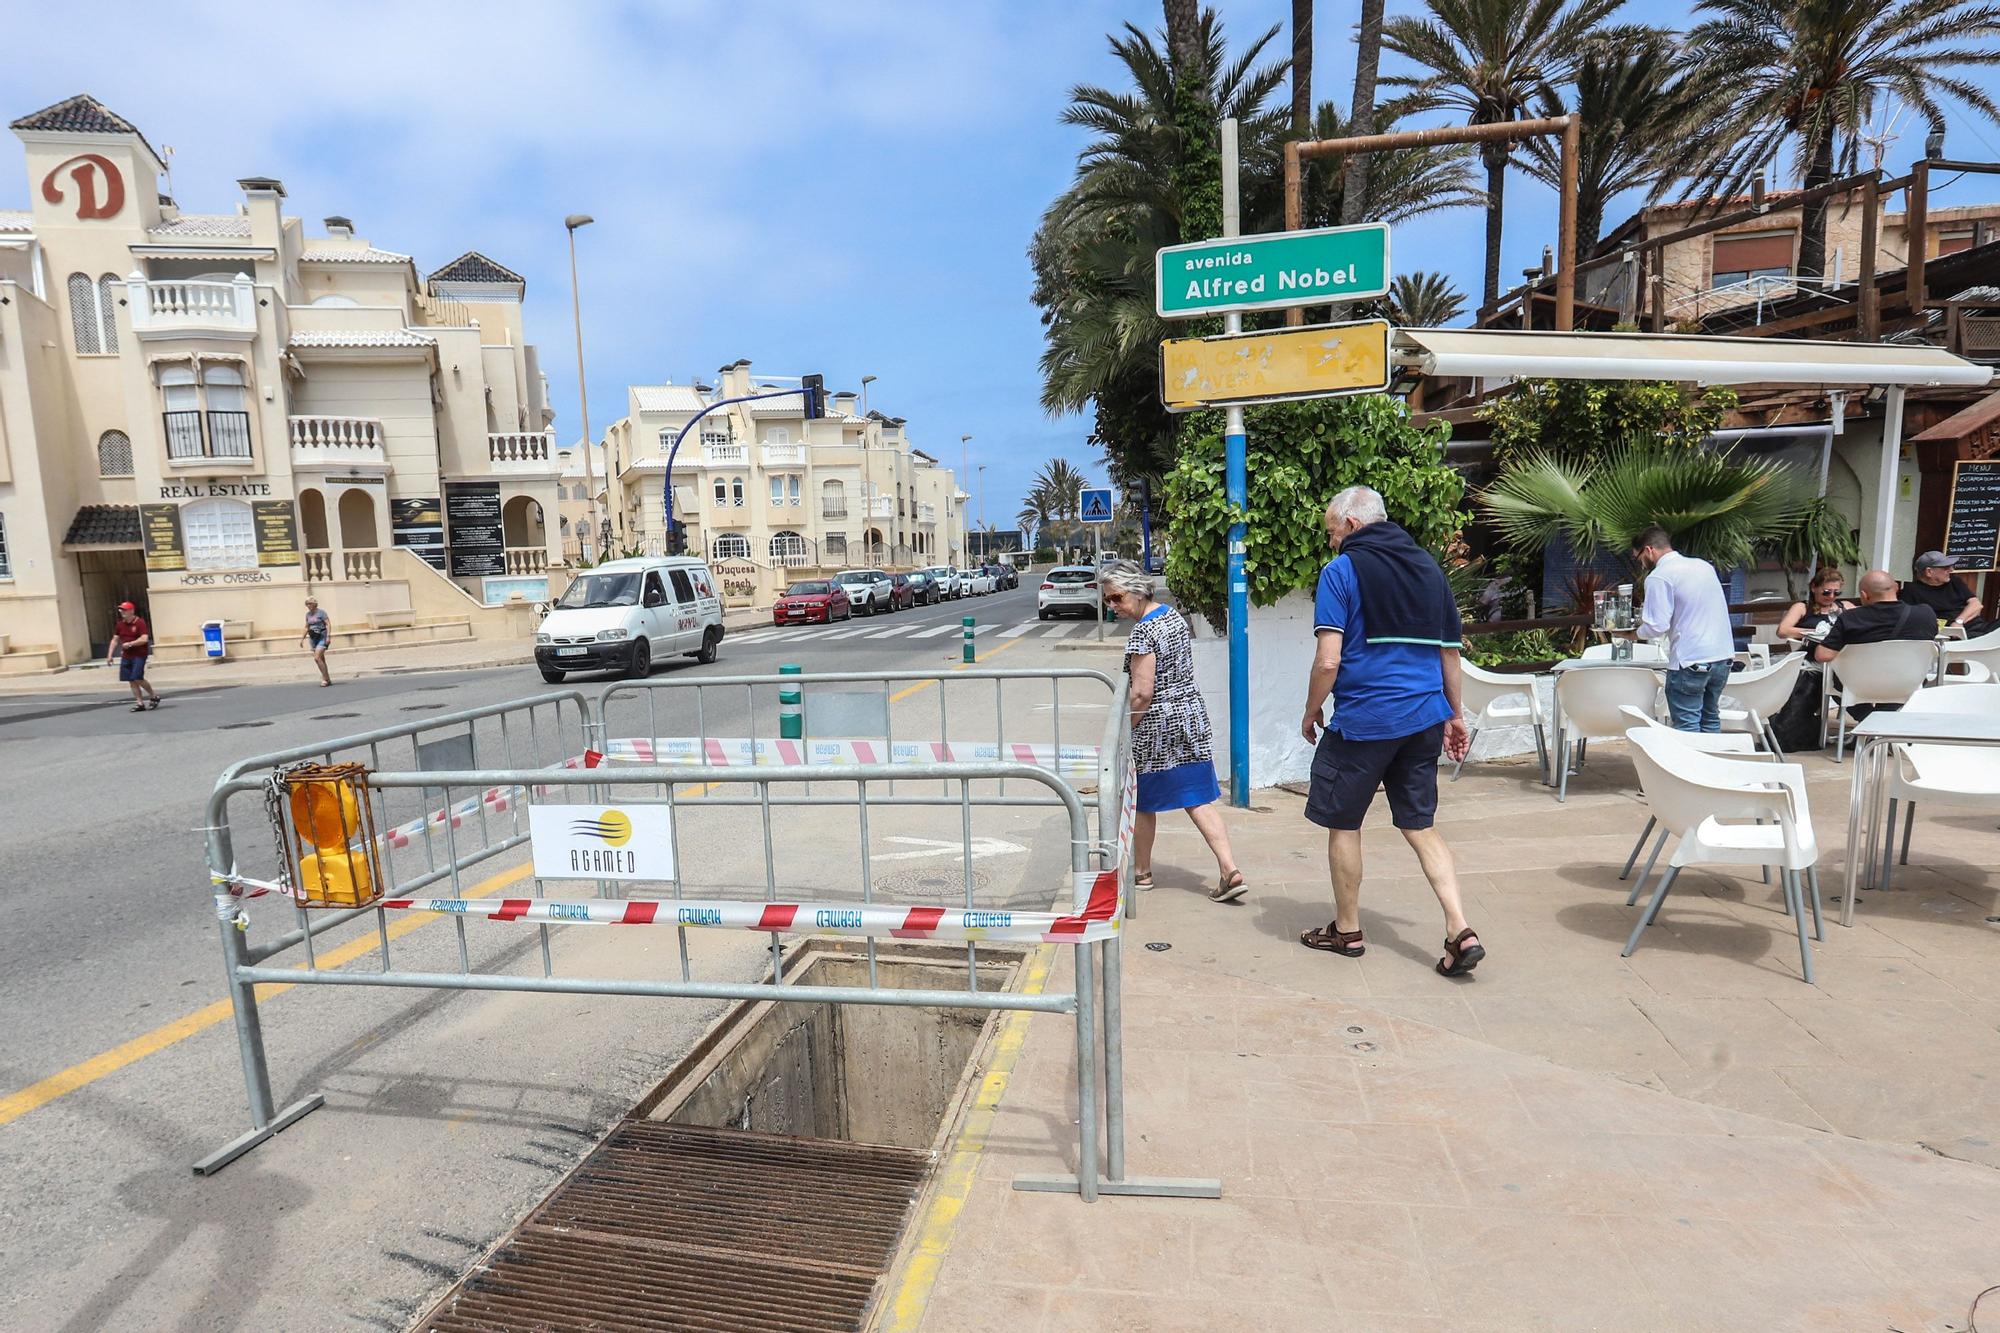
x,y
1271,271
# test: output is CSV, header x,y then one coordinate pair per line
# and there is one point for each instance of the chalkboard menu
x,y
1972,533
472,524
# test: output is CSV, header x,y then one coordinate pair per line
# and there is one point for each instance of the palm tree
x,y
1638,106
1494,60
1302,67
1403,183
1356,170
1719,508
1059,486
1809,73
1423,300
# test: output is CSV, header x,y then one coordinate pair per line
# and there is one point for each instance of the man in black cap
x,y
1938,587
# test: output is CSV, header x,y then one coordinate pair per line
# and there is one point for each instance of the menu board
x,y
417,521
277,532
160,535
472,521
1972,532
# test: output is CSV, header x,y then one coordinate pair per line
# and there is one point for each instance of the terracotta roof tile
x,y
104,525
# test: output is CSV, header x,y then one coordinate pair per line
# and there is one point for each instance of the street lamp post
x,y
866,380
589,541
986,542
964,474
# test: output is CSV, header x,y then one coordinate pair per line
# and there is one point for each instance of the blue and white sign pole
x,y
1236,485
1096,510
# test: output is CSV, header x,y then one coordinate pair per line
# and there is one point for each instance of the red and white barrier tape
x,y
740,752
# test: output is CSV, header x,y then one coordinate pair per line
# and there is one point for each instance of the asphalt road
x,y
448,1113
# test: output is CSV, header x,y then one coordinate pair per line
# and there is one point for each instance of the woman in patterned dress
x,y
1171,743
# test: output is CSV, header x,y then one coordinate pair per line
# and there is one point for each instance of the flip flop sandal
x,y
1142,879
1460,957
154,702
1229,888
138,708
1332,939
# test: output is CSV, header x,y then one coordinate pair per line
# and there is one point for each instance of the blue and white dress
x,y
1173,748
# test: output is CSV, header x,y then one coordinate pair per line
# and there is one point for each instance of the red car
x,y
810,601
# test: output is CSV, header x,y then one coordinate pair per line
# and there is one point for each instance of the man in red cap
x,y
131,642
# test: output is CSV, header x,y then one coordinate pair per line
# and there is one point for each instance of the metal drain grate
x,y
682,1227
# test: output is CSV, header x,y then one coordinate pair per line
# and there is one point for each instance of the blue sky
x,y
848,188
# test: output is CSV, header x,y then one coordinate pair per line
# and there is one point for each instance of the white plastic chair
x,y
1876,673
1492,698
1587,704
1641,652
1752,698
1726,811
1983,651
1735,744
1964,776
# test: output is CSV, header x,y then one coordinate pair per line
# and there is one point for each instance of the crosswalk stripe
x,y
1016,631
891,632
933,633
850,633
1060,631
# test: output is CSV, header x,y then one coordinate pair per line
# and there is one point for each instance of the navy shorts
x,y
132,668
1346,773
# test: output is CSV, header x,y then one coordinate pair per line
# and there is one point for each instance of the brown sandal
x,y
1332,939
1228,888
1460,957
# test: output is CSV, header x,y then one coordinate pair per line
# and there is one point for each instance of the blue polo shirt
x,y
1384,690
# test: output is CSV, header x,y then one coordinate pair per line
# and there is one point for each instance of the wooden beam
x,y
1870,327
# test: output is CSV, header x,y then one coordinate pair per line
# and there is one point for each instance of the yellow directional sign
x,y
1285,364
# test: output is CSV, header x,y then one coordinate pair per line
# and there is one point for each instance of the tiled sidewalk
x,y
1688,1139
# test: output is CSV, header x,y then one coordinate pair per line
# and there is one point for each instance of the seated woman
x,y
1816,612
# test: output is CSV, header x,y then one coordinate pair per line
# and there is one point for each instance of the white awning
x,y
1505,353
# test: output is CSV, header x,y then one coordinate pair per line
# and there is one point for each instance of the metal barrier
x,y
456,831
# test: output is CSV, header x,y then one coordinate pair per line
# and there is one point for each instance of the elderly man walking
x,y
1686,604
1388,636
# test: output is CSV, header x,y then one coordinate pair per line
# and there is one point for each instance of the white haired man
x,y
1388,637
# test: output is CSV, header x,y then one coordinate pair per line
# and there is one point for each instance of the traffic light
x,y
815,391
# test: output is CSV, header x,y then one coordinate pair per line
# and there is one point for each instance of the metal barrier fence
x,y
440,820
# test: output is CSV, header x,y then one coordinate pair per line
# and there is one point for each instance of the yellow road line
x,y
41,1093
939,1223
923,685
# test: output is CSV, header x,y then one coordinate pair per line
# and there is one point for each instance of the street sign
x,y
1319,361
1276,269
1097,506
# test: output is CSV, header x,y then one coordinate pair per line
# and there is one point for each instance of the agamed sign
x,y
602,841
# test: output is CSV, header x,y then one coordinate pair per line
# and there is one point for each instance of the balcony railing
x,y
833,509
725,455
357,564
926,513
519,451
527,560
336,440
881,507
168,307
226,436
784,453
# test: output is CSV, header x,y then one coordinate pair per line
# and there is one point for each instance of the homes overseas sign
x,y
1272,271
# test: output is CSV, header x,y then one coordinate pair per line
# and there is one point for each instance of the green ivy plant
x,y
1582,418
1300,456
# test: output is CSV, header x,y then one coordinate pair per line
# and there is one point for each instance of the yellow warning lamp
x,y
331,815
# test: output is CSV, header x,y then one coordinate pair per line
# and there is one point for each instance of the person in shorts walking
x,y
1686,605
1388,638
318,636
132,644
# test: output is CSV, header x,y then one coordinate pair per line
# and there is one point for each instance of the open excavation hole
x,y
864,1073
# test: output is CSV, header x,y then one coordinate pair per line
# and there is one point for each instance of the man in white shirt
x,y
1686,603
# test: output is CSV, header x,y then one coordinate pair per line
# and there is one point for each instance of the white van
x,y
624,615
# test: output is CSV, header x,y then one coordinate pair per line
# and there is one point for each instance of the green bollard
x,y
791,718
967,622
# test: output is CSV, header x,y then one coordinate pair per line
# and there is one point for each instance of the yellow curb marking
x,y
939,1223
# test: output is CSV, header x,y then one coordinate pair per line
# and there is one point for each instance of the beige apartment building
x,y
766,494
215,415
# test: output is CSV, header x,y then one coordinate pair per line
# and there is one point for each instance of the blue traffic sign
x,y
1097,506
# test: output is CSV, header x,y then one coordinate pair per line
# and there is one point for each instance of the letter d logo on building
x,y
89,167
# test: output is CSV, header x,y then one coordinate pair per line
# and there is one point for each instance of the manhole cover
x,y
238,726
420,708
931,886
328,717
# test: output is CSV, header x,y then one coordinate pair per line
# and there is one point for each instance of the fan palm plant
x,y
1493,60
1723,509
1423,300
1809,74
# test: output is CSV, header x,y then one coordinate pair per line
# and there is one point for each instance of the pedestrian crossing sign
x,y
1097,506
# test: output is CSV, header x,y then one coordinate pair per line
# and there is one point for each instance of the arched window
x,y
721,492
107,310
219,535
788,546
730,546
832,500
84,320
114,454
736,492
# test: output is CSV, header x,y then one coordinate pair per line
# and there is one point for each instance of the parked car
x,y
812,600
625,614
901,592
979,581
949,586
924,587
1068,590
1007,577
868,589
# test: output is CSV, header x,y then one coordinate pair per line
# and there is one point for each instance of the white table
x,y
1875,740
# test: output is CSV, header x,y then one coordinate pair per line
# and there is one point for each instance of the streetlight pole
x,y
984,554
964,475
866,380
589,542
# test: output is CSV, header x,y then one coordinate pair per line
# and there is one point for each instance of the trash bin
x,y
211,639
